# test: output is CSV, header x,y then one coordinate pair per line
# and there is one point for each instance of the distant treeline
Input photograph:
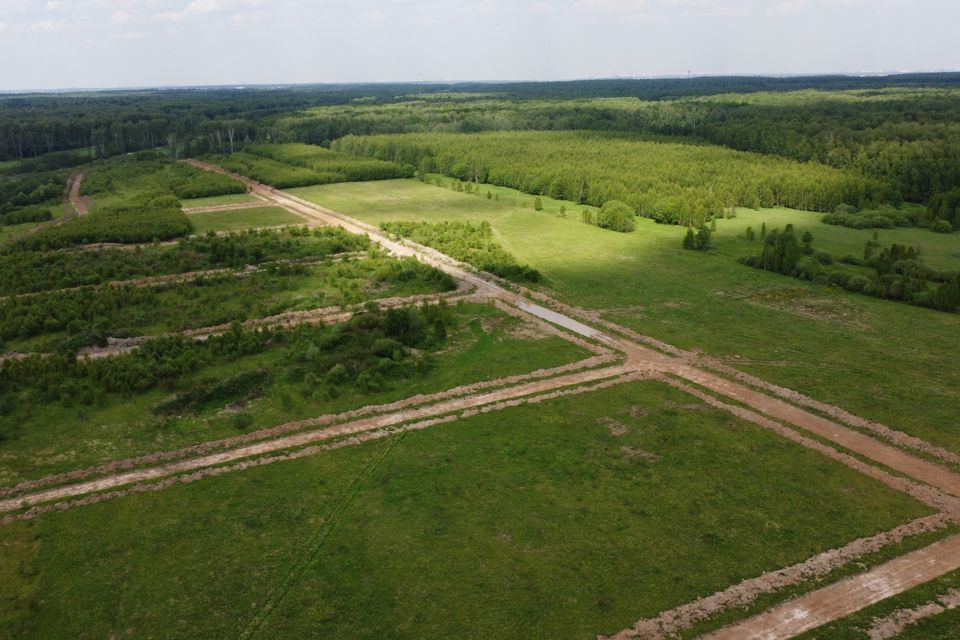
x,y
671,183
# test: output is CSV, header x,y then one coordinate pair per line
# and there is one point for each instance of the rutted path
x,y
78,202
848,596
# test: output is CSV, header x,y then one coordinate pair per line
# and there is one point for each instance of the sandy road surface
x,y
848,596
76,200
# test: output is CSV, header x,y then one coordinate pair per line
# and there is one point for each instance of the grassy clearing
x,y
242,219
215,201
484,344
533,522
883,360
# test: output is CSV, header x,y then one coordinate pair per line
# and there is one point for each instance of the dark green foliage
x,y
883,217
148,174
467,242
945,206
537,204
32,271
217,393
121,225
749,234
26,214
367,352
18,194
699,241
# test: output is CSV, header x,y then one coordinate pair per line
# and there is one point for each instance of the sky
x,y
48,44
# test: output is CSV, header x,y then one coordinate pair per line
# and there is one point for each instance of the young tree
x,y
750,235
689,240
537,204
763,231
703,239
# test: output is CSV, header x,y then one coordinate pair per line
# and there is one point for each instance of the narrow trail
x,y
78,202
646,357
848,596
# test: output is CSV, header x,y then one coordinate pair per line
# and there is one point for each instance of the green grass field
x,y
215,201
53,437
413,537
884,360
243,219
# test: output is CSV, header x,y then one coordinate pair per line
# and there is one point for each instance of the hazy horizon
x,y
117,44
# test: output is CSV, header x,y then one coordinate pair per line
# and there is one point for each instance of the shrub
x,y
941,226
840,279
823,257
616,216
857,284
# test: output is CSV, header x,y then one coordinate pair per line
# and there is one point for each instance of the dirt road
x,y
78,202
848,596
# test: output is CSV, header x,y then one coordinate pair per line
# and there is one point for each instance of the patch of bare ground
x,y
300,425
615,427
896,623
638,454
669,623
141,482
805,303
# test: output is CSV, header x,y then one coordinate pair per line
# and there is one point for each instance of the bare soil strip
x,y
898,438
847,596
896,623
672,622
78,203
924,493
365,436
255,204
305,438
864,445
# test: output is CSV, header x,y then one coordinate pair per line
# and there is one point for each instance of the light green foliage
x,y
242,219
675,183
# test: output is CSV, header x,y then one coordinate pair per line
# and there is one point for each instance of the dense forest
x,y
669,182
901,129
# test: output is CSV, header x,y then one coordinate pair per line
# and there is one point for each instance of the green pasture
x,y
216,201
240,219
532,522
881,359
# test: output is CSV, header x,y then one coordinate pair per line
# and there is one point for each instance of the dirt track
x,y
644,356
78,202
847,596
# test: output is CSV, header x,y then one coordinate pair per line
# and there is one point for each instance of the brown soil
x,y
894,624
672,622
847,596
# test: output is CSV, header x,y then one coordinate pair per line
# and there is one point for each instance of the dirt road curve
x,y
847,596
76,200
